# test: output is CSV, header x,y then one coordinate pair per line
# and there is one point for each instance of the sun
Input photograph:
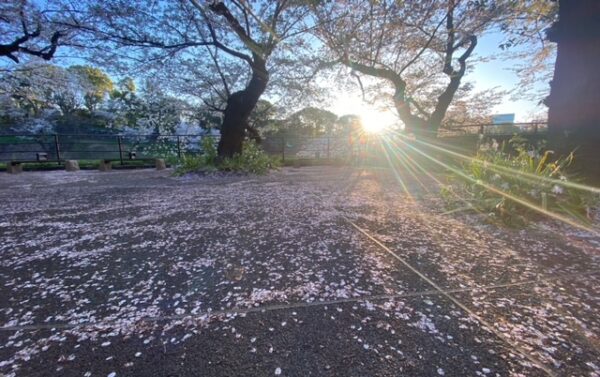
x,y
373,121
375,118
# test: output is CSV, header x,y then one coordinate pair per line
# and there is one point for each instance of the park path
x,y
312,271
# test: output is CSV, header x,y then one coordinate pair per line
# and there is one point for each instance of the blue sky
x,y
498,73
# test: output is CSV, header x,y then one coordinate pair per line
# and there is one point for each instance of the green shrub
x,y
192,163
528,179
252,160
209,150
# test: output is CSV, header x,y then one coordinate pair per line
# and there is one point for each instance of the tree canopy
x,y
228,59
26,30
221,52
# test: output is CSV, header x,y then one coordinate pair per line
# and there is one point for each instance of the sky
x,y
485,75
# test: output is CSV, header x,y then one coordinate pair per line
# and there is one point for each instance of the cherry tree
x,y
222,52
415,53
26,30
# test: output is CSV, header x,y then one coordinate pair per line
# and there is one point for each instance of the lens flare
x,y
373,122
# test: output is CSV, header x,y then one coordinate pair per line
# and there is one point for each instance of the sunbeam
x,y
500,168
498,191
404,158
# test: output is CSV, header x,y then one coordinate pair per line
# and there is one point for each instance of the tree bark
x,y
427,125
574,100
239,107
412,122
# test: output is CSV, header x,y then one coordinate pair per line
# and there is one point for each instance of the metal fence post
x,y
178,147
120,149
328,151
57,148
283,148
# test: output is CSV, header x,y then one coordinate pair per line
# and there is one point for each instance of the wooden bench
x,y
106,164
16,166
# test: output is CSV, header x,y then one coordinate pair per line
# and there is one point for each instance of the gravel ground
x,y
138,273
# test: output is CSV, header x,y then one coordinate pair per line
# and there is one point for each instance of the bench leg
x,y
14,168
71,165
160,164
105,166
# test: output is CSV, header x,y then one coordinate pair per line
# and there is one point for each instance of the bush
x,y
209,150
528,177
252,160
162,147
192,163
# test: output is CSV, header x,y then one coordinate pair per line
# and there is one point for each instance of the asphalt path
x,y
322,271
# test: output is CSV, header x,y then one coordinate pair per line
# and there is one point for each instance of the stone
x,y
105,165
71,165
160,164
14,167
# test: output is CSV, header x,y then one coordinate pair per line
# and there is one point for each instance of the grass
x,y
520,185
83,164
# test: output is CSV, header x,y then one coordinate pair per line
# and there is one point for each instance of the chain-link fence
x,y
127,147
57,148
530,128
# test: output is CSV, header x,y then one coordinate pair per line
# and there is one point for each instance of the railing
x,y
531,128
126,147
57,148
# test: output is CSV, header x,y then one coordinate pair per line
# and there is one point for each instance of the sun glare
x,y
374,121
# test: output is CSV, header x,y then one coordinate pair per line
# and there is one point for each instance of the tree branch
x,y
213,106
445,98
10,49
425,47
450,41
383,73
215,40
221,9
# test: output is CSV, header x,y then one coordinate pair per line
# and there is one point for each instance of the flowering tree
x,y
220,51
418,49
26,30
158,112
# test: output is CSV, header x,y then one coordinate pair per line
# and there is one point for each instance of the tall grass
x,y
524,171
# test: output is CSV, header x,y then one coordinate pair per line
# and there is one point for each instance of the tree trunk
x,y
574,100
239,107
420,127
412,123
426,126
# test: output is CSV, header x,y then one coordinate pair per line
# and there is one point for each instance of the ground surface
x,y
139,273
